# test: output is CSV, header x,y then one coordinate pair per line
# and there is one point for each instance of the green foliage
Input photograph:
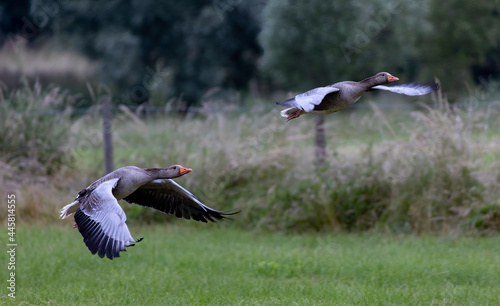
x,y
338,40
195,49
352,40
138,43
485,219
463,33
209,265
35,129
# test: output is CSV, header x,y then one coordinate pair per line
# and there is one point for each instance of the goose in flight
x,y
341,95
101,220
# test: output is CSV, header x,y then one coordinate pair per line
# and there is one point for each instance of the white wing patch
x,y
313,97
286,112
69,209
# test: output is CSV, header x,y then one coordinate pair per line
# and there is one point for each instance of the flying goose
x,y
101,220
341,95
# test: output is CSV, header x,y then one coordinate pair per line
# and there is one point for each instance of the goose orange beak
x,y
391,78
185,170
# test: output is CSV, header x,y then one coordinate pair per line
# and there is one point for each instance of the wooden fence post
x,y
320,140
107,132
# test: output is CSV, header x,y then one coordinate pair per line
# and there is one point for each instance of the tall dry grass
x,y
432,170
34,124
34,146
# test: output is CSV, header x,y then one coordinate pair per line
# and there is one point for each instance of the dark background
x,y
259,46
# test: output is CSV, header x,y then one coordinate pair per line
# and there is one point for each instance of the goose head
x,y
384,78
168,173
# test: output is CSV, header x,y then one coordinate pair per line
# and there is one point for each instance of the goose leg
x,y
294,115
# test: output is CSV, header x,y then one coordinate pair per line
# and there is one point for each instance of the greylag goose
x,y
338,96
101,220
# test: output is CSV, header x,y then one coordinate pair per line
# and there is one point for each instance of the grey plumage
x,y
101,220
339,96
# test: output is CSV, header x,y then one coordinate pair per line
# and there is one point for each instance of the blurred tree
x,y
465,35
223,52
11,18
204,44
313,43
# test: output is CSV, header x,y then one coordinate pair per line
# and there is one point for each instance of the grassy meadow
x,y
404,211
196,265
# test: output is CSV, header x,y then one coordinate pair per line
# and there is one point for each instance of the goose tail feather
x,y
69,209
286,112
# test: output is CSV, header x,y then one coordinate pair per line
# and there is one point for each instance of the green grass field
x,y
214,264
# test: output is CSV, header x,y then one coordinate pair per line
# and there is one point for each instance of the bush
x,y
35,128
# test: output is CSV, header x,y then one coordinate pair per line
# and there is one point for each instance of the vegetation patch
x,y
209,264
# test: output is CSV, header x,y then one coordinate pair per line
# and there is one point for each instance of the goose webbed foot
x,y
138,240
295,114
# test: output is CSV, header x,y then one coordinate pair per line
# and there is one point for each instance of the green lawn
x,y
213,264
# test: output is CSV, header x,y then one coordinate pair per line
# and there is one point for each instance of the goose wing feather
x,y
169,197
412,89
101,221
